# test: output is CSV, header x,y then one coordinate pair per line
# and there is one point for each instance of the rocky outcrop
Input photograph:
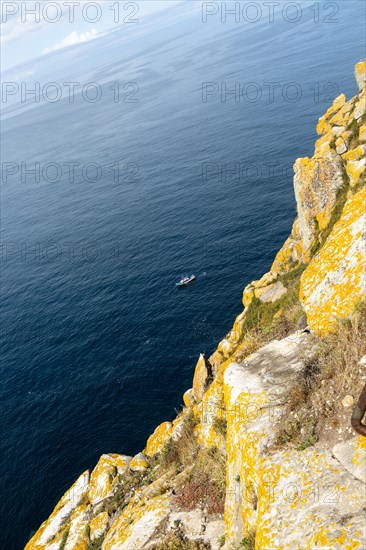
x,y
104,476
203,376
50,534
334,281
278,496
269,492
360,74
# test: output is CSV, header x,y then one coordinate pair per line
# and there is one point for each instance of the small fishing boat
x,y
185,280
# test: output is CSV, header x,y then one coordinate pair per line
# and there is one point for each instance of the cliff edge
x,y
262,455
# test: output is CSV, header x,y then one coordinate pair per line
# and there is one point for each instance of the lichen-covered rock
x,y
254,393
272,292
189,399
196,525
355,169
360,109
316,184
334,281
358,153
159,438
360,74
98,525
104,474
203,376
136,525
355,164
352,454
293,251
270,493
139,463
341,146
77,538
212,409
323,125
362,133
308,500
54,524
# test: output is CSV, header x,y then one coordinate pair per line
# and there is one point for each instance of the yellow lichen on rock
x,y
52,527
291,252
334,281
189,399
202,378
137,523
323,126
362,133
77,538
104,475
360,108
355,154
341,146
360,74
355,169
158,439
316,183
212,409
139,463
360,452
248,294
98,525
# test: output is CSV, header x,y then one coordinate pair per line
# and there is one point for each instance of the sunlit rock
x,y
139,463
334,281
203,377
51,527
360,74
159,438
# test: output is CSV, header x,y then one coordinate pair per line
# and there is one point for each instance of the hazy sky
x,y
32,28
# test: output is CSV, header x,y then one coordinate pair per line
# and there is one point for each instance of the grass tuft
x,y
65,534
333,371
204,486
248,542
220,425
181,452
96,544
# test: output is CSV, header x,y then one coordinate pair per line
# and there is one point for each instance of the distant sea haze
x,y
182,165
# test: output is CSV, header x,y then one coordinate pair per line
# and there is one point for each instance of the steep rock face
x,y
202,378
271,492
104,476
277,498
334,281
360,74
253,391
159,438
50,533
316,183
338,156
137,523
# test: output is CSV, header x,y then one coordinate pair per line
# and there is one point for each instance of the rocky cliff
x,y
262,455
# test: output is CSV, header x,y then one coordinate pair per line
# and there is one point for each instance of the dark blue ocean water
x,y
98,344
